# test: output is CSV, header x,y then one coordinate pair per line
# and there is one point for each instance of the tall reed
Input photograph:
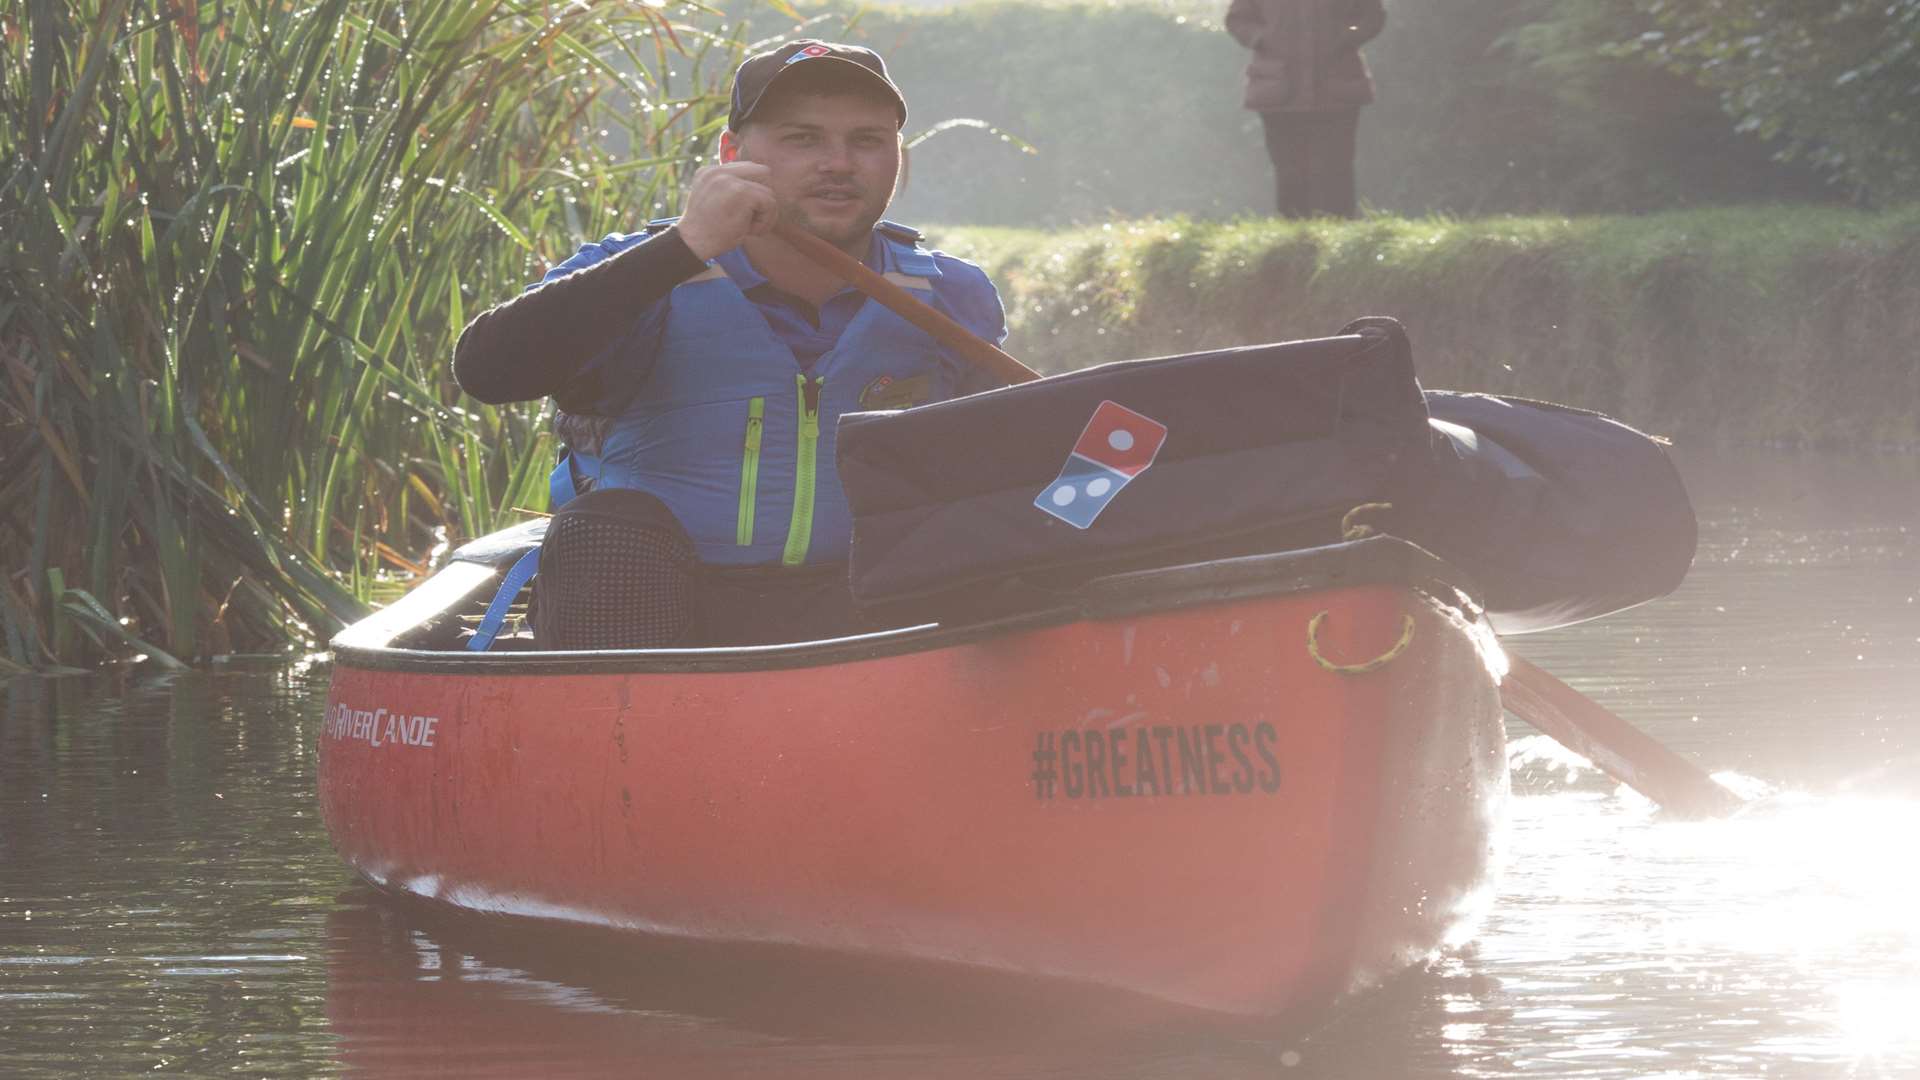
x,y
237,241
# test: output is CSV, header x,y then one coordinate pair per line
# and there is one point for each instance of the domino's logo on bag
x,y
1117,445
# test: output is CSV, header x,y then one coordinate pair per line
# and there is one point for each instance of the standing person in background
x,y
1307,80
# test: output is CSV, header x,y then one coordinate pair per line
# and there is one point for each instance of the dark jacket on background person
x,y
1306,53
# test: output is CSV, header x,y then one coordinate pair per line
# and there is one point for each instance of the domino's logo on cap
x,y
808,53
1117,445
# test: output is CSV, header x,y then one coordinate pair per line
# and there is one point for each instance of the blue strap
x,y
560,489
906,234
510,587
908,258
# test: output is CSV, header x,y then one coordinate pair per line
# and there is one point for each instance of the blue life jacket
x,y
738,440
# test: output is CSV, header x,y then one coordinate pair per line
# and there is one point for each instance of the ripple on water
x,y
1783,942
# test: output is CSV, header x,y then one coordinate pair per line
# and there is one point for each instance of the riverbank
x,y
1741,326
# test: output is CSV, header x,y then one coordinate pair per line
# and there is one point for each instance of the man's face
x,y
834,160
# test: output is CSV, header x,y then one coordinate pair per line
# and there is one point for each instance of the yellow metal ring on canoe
x,y
1351,528
1375,664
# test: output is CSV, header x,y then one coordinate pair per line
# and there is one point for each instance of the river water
x,y
169,903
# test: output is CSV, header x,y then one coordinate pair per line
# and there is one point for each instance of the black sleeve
x,y
533,345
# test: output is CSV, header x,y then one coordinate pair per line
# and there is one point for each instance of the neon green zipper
x,y
750,471
800,530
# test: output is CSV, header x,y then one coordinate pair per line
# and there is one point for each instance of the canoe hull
x,y
1182,804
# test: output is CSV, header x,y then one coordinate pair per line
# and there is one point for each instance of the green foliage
x,y
1528,106
1603,130
237,240
239,237
1835,83
1133,108
1735,326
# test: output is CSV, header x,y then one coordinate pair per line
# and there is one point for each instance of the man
x,y
1307,80
701,366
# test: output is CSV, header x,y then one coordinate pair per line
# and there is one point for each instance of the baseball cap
x,y
760,71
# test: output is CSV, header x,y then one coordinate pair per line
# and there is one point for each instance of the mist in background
x,y
1485,106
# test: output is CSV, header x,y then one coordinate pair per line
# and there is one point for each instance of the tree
x,y
1629,133
1546,105
1833,82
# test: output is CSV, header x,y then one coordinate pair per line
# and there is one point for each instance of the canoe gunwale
x,y
1376,560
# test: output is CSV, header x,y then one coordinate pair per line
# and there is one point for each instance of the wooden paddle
x,y
1619,749
1576,721
903,303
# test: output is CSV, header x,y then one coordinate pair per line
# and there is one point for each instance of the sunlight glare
x,y
1875,1020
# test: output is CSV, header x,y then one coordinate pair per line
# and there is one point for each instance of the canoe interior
x,y
423,630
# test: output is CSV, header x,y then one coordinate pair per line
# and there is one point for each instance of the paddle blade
x,y
1621,750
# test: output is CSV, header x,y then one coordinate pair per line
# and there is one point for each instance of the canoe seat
x,y
502,549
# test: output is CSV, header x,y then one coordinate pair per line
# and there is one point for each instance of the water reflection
x,y
410,993
1792,651
1783,940
168,901
157,876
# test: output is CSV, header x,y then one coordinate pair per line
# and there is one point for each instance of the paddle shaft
x,y
1619,749
906,305
1572,719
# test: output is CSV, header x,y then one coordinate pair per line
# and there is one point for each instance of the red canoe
x,y
1185,785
